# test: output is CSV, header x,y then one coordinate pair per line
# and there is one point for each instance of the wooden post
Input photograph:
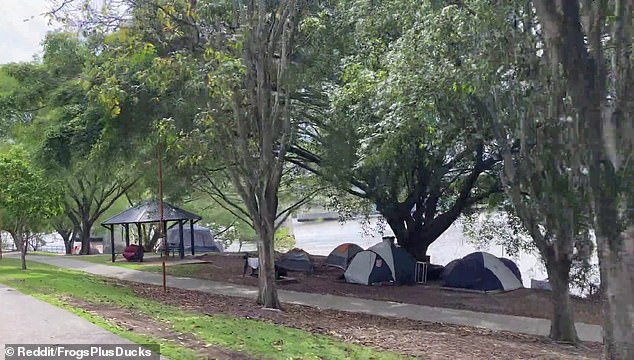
x,y
127,235
191,235
112,241
181,242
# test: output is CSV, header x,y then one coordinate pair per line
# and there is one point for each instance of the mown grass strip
x,y
258,338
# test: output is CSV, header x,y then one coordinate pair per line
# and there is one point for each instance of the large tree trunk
x,y
23,246
617,273
149,242
69,239
410,238
562,324
416,238
17,243
267,295
68,245
584,61
84,234
616,264
416,243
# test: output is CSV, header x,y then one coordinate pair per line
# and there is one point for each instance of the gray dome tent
x,y
203,239
342,255
382,262
295,260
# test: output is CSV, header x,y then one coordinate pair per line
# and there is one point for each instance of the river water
x,y
321,237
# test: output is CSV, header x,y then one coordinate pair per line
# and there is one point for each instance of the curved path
x,y
25,319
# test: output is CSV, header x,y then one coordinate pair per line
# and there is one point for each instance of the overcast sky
x,y
22,29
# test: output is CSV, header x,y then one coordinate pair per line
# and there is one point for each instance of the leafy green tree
x,y
27,199
67,132
587,46
233,60
498,51
401,128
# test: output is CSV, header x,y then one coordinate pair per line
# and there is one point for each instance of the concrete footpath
x,y
26,320
518,324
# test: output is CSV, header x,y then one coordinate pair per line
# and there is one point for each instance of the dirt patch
x,y
128,320
415,338
326,280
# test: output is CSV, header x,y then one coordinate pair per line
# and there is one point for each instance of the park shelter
x,y
482,271
383,262
342,255
148,212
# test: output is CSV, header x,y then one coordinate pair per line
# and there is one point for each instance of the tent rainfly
x,y
383,262
342,255
149,212
296,260
482,271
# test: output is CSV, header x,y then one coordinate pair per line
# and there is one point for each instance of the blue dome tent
x,y
482,271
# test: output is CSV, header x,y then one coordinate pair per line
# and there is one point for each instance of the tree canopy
x,y
423,109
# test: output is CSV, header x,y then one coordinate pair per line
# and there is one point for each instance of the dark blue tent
x,y
482,271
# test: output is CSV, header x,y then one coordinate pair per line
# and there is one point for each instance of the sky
x,y
22,29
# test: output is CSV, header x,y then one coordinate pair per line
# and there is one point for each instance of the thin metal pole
x,y
162,217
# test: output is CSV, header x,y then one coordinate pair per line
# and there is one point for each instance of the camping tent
x,y
382,262
513,267
295,260
481,271
203,239
342,255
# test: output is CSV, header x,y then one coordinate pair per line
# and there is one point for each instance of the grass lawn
x,y
39,253
186,270
42,253
107,260
257,338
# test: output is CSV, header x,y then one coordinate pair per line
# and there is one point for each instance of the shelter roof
x,y
149,212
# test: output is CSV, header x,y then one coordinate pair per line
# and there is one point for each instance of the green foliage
x,y
498,228
401,126
27,198
284,241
